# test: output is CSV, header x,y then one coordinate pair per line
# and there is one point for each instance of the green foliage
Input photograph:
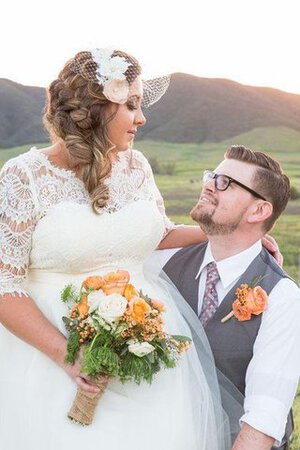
x,y
137,369
73,347
167,353
108,354
100,360
68,294
169,359
179,338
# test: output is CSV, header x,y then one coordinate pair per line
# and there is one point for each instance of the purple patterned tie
x,y
210,299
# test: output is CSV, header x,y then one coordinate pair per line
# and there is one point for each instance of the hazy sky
x,y
254,42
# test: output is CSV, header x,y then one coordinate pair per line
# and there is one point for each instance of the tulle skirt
x,y
177,411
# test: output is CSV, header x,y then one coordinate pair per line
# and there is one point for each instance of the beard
x,y
212,227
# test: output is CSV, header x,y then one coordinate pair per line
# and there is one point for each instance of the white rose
x,y
116,91
94,299
109,307
140,348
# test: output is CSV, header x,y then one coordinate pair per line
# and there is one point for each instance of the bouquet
x,y
120,333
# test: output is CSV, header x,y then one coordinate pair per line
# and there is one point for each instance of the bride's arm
x,y
182,236
185,235
18,312
21,316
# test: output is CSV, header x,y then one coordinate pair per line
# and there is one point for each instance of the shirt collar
x,y
233,267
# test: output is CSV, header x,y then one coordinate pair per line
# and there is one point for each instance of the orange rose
x,y
83,306
93,283
138,308
115,282
256,300
130,292
158,305
242,313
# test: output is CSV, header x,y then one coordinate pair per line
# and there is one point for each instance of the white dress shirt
x,y
273,373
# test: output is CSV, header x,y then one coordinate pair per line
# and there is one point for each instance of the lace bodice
x,y
46,220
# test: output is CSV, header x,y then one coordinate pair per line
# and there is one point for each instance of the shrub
x,y
164,168
295,194
168,168
153,161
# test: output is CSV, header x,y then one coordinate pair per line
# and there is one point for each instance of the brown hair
x,y
77,112
269,179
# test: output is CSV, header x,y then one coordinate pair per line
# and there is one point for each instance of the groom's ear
x,y
260,211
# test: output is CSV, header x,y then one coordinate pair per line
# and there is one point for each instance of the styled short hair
x,y
269,179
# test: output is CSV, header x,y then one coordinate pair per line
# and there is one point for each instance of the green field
x,y
181,190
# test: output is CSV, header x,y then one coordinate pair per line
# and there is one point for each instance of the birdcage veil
x,y
116,72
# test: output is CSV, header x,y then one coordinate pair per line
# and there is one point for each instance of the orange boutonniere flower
x,y
250,300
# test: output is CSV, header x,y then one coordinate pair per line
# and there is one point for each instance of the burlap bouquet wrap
x,y
83,408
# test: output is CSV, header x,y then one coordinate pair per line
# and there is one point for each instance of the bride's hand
x,y
82,379
271,245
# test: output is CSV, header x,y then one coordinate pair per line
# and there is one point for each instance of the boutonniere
x,y
249,300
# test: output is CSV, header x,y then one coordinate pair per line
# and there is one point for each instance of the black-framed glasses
x,y
222,182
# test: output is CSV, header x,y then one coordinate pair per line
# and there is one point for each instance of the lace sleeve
x,y
149,177
17,222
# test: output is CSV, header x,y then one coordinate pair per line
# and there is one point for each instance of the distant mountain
x,y
193,110
211,110
21,110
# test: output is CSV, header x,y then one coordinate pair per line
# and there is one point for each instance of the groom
x,y
240,201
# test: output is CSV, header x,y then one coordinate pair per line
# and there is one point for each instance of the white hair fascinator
x,y
115,71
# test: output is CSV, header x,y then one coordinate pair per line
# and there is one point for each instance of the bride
x,y
88,205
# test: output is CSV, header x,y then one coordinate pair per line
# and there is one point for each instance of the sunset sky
x,y
253,42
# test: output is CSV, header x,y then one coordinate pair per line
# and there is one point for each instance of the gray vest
x,y
231,342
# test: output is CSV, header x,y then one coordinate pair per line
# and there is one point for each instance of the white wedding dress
x,y
49,237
